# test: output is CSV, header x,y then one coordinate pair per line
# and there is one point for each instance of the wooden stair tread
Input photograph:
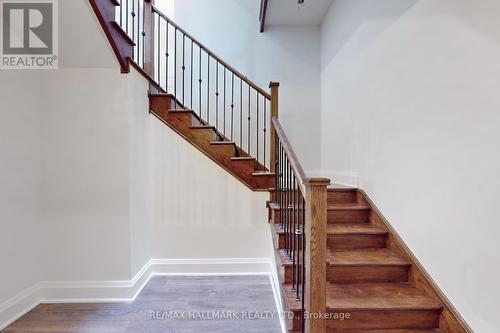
x,y
337,187
243,158
181,110
293,304
263,173
346,229
365,257
409,330
355,228
378,296
196,127
349,206
222,143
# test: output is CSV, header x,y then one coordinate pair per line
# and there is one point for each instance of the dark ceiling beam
x,y
263,12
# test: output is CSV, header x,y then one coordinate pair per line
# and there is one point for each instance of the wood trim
x,y
315,254
213,55
105,12
294,161
450,321
263,14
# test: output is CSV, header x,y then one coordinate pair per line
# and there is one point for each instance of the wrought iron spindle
x,y
183,69
257,127
159,49
167,56
232,106
264,131
249,118
217,96
241,113
175,62
192,71
199,86
208,88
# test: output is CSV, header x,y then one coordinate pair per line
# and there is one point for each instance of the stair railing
x,y
302,204
182,66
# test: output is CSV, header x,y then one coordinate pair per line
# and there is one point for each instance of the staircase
x,y
341,266
367,287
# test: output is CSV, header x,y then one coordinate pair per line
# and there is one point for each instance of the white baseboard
x,y
127,290
337,177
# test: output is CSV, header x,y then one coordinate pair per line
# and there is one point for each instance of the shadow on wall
x,y
356,14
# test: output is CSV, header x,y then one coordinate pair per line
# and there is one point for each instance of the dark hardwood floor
x,y
247,298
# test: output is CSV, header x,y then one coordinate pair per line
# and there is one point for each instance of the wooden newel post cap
x,y
319,181
274,84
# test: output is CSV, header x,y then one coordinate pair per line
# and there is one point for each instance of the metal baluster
x,y
183,68
192,71
208,88
167,55
175,62
143,36
290,216
126,16
132,14
217,96
249,118
121,13
159,48
199,86
241,113
232,106
281,185
287,202
138,31
257,128
265,130
224,106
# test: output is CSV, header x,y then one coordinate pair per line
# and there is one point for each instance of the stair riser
x,y
247,167
386,319
368,273
264,182
290,274
281,242
203,136
355,241
348,216
182,120
341,197
162,103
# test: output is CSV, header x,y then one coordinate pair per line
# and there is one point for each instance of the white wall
x,y
410,103
200,210
290,55
21,229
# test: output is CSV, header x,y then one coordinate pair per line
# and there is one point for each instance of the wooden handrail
x,y
292,157
213,55
314,192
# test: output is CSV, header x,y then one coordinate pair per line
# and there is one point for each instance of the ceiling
x,y
288,12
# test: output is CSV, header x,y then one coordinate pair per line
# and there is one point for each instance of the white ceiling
x,y
288,12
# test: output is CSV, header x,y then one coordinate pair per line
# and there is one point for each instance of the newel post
x,y
316,236
148,37
274,113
